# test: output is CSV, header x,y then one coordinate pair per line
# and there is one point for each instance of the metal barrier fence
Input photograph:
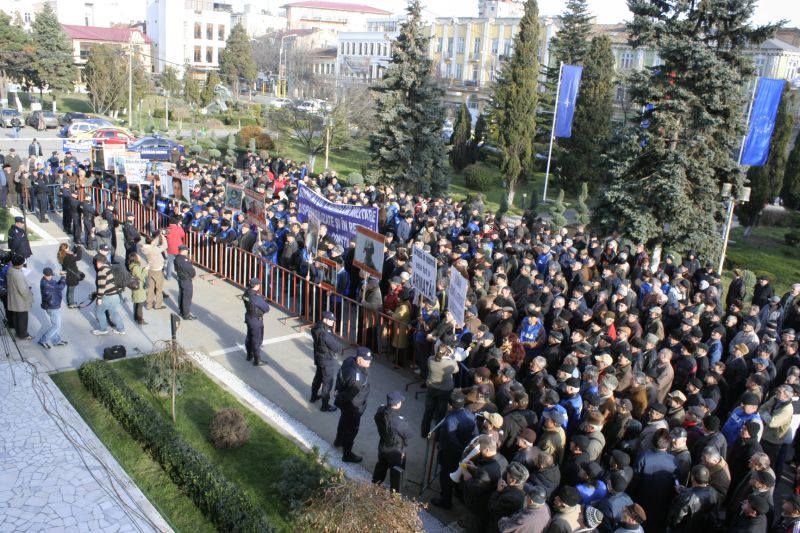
x,y
286,289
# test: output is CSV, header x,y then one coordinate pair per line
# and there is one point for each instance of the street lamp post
x,y
328,122
732,199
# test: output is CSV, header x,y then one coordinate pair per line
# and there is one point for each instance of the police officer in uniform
x,y
130,234
88,215
394,431
185,272
254,308
352,389
325,347
39,187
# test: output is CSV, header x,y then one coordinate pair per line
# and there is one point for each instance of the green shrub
x,y
263,154
229,429
303,478
749,278
354,178
222,502
480,177
263,140
779,218
195,149
214,153
792,238
158,112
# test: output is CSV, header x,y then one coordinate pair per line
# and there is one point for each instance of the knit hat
x,y
592,517
517,472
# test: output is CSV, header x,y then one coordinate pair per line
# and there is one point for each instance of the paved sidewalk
x,y
51,482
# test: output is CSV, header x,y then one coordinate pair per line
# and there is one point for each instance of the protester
x,y
52,292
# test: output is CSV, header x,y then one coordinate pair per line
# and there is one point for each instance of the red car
x,y
111,136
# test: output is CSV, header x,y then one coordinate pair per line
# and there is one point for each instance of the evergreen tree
x,y
170,81
106,77
407,145
191,89
581,209
766,181
791,178
236,63
52,65
207,95
591,125
477,138
515,100
16,52
460,141
666,178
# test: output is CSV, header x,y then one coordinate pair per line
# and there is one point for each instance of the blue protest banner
x,y
762,121
340,219
567,96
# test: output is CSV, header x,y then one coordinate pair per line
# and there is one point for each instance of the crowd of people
x,y
595,384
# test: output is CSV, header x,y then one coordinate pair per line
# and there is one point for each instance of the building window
x,y
626,61
507,48
27,18
209,54
385,50
459,71
475,73
361,49
449,45
198,30
460,45
221,32
476,49
198,54
620,94
495,46
759,64
791,70
372,49
448,71
440,44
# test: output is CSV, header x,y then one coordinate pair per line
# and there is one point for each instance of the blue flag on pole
x,y
762,121
567,96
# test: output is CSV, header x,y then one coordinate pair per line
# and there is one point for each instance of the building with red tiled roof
x,y
85,37
340,16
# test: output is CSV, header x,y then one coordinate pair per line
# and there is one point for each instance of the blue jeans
x,y
51,334
111,304
169,267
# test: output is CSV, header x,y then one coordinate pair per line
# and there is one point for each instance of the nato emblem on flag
x,y
567,96
762,121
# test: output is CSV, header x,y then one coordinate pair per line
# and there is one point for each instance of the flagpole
x,y
726,230
552,133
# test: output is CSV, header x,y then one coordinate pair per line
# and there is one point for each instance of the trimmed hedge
x,y
479,177
222,502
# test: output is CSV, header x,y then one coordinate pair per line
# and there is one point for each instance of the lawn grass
x,y
70,102
765,251
174,506
253,466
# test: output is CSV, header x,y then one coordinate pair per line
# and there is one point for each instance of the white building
x,y
188,32
98,13
363,56
259,20
339,16
501,8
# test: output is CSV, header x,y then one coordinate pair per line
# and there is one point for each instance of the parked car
x,y
83,126
68,118
50,119
309,106
7,115
157,148
108,135
281,102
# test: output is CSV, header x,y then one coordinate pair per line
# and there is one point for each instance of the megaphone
x,y
458,474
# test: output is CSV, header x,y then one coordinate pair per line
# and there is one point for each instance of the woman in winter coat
x,y
138,296
68,259
401,317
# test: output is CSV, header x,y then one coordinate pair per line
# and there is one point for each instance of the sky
x,y
607,11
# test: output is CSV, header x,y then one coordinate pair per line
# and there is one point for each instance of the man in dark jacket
x,y
110,218
131,235
352,390
694,510
509,498
482,477
39,187
654,475
255,307
185,273
394,431
753,516
614,503
52,291
75,217
18,239
325,347
789,519
456,431
87,214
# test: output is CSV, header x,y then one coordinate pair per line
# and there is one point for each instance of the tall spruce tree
x,y
591,125
52,65
766,181
791,178
236,64
191,88
407,146
16,52
460,141
481,130
666,178
515,99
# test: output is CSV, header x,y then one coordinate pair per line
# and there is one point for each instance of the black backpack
x,y
123,278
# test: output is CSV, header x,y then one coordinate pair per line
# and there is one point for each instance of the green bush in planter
x,y
221,501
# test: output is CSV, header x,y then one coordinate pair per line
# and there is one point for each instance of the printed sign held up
x,y
457,295
369,251
423,273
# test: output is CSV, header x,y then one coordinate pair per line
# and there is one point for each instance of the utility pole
x,y
130,87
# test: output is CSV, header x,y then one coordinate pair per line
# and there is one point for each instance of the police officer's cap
x,y
327,315
129,214
364,353
254,282
182,247
395,397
